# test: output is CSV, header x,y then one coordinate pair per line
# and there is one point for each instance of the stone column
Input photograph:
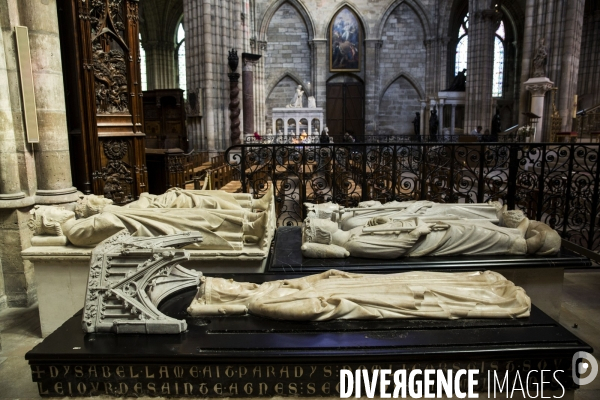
x,y
441,116
372,47
538,88
161,67
248,61
569,65
527,53
208,78
423,117
10,185
453,120
260,111
234,101
560,24
53,165
319,73
480,64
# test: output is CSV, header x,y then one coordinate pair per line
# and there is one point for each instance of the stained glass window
x,y
143,77
462,46
500,32
498,61
462,53
181,59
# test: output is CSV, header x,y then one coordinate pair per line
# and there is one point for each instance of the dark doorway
x,y
345,109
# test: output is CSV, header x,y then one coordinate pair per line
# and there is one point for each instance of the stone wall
x,y
403,49
397,108
288,54
399,37
403,52
282,25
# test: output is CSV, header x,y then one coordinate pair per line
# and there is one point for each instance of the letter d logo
x,y
588,363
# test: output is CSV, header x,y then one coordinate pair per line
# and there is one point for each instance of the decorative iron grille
x,y
554,183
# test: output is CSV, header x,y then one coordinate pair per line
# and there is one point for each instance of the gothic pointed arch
x,y
274,7
399,102
179,40
345,77
403,37
272,83
410,79
416,6
288,57
324,29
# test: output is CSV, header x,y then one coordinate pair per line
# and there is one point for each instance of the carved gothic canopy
x,y
110,53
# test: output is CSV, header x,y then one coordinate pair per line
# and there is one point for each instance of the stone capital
x,y
248,61
538,86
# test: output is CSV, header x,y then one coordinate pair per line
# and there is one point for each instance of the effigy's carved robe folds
x,y
221,229
342,295
423,228
227,221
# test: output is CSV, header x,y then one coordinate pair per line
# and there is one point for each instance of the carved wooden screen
x,y
100,43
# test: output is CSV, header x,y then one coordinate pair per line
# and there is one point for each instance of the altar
x,y
293,121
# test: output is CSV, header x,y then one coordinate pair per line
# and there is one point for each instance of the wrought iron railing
x,y
554,183
505,137
502,138
281,139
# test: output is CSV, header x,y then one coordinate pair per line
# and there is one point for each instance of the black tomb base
x,y
247,356
287,258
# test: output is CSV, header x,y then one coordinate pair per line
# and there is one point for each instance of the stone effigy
x,y
206,199
418,229
349,218
342,295
226,221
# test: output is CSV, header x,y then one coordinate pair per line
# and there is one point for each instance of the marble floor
x,y
20,331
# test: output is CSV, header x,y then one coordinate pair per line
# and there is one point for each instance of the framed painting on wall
x,y
344,42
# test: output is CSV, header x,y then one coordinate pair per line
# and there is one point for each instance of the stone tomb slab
x,y
61,274
248,356
541,277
